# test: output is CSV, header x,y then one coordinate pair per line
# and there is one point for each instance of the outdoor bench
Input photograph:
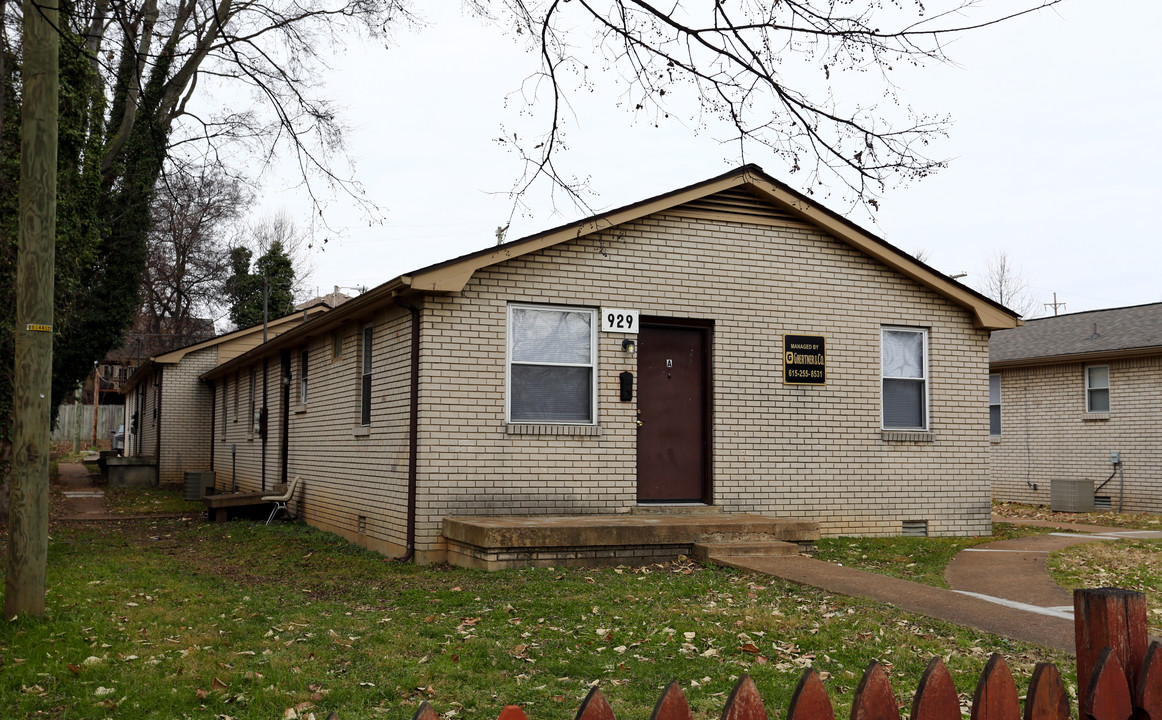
x,y
218,504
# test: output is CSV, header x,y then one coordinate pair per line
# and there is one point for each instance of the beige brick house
x,y
732,343
1068,392
168,408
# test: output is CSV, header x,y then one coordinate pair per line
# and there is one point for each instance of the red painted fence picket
x,y
1122,681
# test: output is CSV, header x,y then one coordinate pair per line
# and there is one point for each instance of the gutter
x,y
413,429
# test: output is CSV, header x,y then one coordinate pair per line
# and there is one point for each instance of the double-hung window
x,y
552,364
1097,389
365,378
304,358
904,372
994,404
254,427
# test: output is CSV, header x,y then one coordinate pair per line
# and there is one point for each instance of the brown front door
x,y
673,412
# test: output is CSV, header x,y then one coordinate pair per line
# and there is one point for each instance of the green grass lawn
x,y
145,501
179,618
917,559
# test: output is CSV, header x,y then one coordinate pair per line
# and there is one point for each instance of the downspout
x,y
284,416
213,419
413,429
263,423
159,425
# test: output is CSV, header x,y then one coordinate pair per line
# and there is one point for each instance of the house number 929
x,y
619,321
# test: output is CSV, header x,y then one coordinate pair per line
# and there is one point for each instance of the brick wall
x,y
815,453
354,477
1046,433
241,454
185,416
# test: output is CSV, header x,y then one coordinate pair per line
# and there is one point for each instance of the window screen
x,y
365,379
552,358
1097,389
994,404
904,371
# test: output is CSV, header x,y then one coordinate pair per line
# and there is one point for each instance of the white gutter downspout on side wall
x,y
413,429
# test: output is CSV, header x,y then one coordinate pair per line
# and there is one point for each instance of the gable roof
x,y
746,194
1085,336
452,275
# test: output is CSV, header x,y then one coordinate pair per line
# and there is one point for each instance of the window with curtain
x,y
365,378
552,362
1097,389
904,371
994,404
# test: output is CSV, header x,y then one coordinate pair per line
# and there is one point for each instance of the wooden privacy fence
x,y
1122,679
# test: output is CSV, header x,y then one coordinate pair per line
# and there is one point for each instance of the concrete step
x,y
682,509
713,550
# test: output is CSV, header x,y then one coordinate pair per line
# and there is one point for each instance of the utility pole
x,y
1054,305
24,583
96,399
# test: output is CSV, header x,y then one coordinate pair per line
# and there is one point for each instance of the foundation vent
x,y
915,528
1102,502
362,524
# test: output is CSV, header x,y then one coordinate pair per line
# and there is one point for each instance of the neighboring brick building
x,y
168,409
1066,393
516,380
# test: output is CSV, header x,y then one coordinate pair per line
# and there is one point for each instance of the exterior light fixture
x,y
629,346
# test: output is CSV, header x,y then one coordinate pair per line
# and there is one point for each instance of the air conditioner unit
x,y
196,484
1071,495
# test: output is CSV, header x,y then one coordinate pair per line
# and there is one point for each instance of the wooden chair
x,y
280,501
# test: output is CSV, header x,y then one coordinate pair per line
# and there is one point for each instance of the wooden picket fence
x,y
1122,678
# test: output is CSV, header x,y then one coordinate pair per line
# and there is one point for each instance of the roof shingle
x,y
1097,331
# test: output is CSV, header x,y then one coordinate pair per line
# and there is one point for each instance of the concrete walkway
x,y
1002,588
83,499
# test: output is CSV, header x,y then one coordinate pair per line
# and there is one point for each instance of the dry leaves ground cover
x,y
1130,564
179,618
1134,521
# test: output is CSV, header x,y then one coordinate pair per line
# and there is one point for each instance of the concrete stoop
x,y
720,552
494,543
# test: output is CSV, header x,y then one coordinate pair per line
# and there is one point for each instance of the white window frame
x,y
366,350
925,378
1000,424
594,326
1090,388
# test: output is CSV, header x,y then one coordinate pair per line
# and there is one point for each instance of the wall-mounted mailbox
x,y
626,386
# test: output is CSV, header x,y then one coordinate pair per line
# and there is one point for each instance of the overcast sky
x,y
1055,153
